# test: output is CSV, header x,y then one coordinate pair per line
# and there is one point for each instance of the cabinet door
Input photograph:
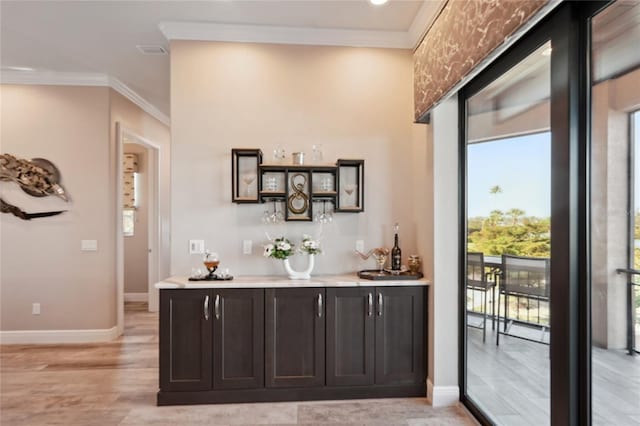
x,y
238,338
185,340
400,335
350,336
295,337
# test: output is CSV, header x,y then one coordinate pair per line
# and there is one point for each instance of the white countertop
x,y
254,281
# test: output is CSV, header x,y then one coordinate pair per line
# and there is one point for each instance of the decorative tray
x,y
214,278
375,274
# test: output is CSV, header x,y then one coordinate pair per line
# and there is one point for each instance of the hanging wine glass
x,y
248,179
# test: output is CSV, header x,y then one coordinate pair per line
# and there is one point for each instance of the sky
x,y
521,166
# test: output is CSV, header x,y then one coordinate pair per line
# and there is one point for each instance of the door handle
x,y
319,305
216,306
370,304
380,302
206,308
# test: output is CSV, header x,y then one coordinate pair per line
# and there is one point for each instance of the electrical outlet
x,y
196,246
35,309
88,245
360,246
247,246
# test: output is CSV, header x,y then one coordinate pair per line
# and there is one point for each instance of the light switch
x,y
247,246
89,245
196,246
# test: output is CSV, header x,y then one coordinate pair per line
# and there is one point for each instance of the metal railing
x,y
632,287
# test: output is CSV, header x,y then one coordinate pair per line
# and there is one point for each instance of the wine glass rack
x,y
298,186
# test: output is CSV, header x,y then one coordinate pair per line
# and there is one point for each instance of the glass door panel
x,y
508,192
615,214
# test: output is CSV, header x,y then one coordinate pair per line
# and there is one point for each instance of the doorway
x,y
137,222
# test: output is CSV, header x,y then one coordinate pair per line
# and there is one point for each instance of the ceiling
x,y
101,36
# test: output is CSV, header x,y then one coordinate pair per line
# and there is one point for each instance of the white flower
x,y
283,245
268,249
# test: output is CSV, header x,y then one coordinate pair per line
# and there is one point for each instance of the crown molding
x,y
57,78
134,97
284,35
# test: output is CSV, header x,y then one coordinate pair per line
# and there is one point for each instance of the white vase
x,y
300,275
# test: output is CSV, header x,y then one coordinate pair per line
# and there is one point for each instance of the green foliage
x,y
510,233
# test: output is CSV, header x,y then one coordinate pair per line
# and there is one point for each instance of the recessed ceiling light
x,y
18,68
151,49
377,2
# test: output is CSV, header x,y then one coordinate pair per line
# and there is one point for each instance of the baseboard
x,y
136,297
41,337
442,396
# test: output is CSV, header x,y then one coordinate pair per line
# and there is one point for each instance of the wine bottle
x,y
396,253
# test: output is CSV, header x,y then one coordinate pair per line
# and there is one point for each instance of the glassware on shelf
x,y
414,263
316,153
278,154
248,179
326,184
270,184
349,189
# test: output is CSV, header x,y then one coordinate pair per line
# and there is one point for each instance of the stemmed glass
x,y
324,217
248,180
272,217
349,189
380,254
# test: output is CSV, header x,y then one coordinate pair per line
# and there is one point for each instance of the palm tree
x,y
495,190
515,214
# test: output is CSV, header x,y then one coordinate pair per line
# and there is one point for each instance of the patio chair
x,y
522,277
478,280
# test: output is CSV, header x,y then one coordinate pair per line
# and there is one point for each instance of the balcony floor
x,y
511,381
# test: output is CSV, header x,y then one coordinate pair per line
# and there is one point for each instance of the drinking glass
x,y
278,154
349,189
316,153
380,254
248,180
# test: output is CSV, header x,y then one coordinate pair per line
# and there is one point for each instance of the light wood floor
x,y
511,381
116,383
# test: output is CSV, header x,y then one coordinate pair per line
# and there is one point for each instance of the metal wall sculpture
x,y
38,178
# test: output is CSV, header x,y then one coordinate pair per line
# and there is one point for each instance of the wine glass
x,y
349,189
248,180
380,254
211,262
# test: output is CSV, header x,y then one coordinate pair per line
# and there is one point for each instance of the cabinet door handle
x,y
380,304
216,306
370,302
319,305
206,308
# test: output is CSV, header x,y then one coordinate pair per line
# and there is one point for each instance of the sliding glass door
x,y
509,242
615,214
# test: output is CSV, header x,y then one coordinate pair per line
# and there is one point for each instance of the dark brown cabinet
x,y
350,336
238,338
376,336
284,344
185,340
295,337
400,335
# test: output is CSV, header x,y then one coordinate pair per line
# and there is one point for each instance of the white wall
x,y
443,315
40,260
357,102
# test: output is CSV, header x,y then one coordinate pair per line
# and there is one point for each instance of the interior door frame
x,y
154,231
570,351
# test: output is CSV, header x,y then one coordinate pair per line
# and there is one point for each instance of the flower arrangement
x,y
281,248
310,246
